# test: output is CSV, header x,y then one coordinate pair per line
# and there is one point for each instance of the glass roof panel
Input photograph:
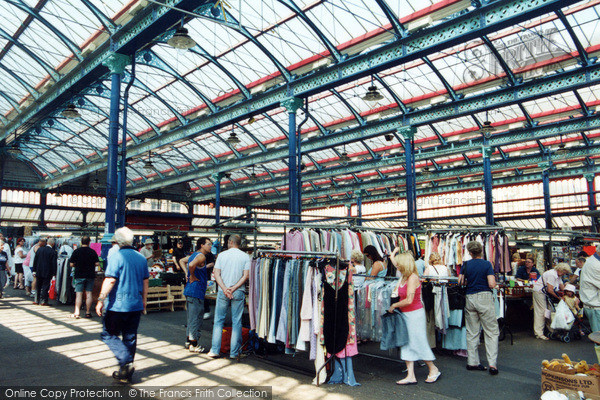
x,y
11,17
585,24
74,20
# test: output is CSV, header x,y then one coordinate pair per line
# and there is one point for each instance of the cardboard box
x,y
555,380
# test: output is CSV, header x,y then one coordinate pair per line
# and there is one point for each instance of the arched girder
x,y
437,73
243,31
512,80
356,115
247,132
60,127
108,24
67,42
23,83
35,168
140,85
322,129
10,100
31,54
268,172
36,154
203,53
302,15
441,138
284,131
86,104
151,59
137,170
584,59
208,153
585,110
392,93
530,120
399,30
54,151
312,160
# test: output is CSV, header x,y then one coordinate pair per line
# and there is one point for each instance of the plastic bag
x,y
52,292
563,318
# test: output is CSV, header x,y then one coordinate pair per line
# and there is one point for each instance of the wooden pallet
x,y
179,300
159,298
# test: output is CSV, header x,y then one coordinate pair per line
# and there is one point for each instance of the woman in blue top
x,y
194,292
378,268
480,311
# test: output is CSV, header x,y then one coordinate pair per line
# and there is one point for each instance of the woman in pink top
x,y
409,296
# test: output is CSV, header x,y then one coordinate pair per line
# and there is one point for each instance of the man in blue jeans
x,y
231,272
124,290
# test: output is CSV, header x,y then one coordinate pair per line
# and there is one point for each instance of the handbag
x,y
457,295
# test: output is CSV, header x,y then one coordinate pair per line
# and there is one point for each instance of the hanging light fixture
x,y
562,147
389,137
372,93
70,112
233,139
344,158
148,166
253,176
487,129
426,171
95,183
181,39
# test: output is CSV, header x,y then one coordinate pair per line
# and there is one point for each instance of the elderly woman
x,y
550,281
357,267
409,302
480,311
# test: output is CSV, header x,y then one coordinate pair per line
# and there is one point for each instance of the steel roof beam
x,y
487,19
440,189
583,56
108,24
472,167
142,29
31,54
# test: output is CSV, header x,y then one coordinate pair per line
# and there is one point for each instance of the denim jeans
x,y
125,324
195,310
237,310
3,279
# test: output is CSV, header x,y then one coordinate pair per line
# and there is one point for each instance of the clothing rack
x,y
309,254
386,278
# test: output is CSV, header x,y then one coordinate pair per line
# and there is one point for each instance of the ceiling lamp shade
x,y
70,112
148,166
14,150
389,137
233,139
95,184
254,177
487,129
344,159
372,94
181,39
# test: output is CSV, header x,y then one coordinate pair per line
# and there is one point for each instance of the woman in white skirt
x,y
409,295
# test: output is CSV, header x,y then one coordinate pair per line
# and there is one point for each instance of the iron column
x,y
487,182
408,133
116,64
292,104
591,187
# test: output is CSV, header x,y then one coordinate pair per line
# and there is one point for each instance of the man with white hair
x,y
123,294
44,269
589,292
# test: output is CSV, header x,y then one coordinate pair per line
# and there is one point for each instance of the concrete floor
x,y
43,346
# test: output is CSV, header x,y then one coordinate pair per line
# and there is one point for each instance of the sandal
x,y
433,378
74,316
405,382
88,315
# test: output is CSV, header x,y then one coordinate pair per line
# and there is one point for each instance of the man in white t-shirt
x,y
589,292
231,272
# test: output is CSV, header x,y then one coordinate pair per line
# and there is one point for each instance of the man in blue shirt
x,y
194,292
123,294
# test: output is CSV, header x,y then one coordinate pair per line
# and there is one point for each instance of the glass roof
x,y
257,48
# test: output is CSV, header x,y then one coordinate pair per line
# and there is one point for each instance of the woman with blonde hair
x,y
408,301
547,284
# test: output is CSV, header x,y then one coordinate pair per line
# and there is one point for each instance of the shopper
x,y
231,272
124,292
517,262
178,254
84,261
30,281
210,265
4,268
357,267
6,248
378,268
524,272
579,263
478,275
589,291
194,292
148,252
113,250
19,257
546,285
44,269
408,297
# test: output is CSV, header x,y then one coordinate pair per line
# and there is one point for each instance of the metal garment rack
x,y
310,254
